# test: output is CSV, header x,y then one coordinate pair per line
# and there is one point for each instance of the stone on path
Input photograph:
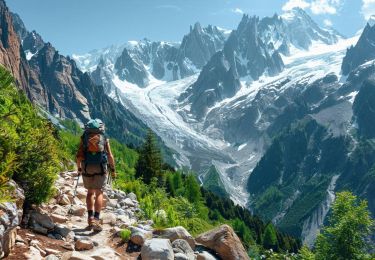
x,y
84,244
74,255
51,257
58,218
79,210
157,249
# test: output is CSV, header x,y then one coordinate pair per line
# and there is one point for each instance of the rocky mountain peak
x,y
197,27
362,52
371,20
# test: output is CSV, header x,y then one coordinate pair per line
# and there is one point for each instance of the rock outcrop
x,y
10,218
362,52
225,242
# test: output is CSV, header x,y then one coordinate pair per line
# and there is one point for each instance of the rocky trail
x,y
50,232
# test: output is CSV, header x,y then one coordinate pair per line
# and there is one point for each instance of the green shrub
x,y
125,235
29,151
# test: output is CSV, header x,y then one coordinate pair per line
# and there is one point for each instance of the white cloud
x,y
316,6
295,3
325,6
368,8
238,11
328,23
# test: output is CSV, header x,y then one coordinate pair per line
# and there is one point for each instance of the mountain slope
x,y
55,83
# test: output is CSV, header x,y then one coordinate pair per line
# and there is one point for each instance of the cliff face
x,y
11,53
55,83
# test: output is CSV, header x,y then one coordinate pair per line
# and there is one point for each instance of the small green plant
x,y
125,235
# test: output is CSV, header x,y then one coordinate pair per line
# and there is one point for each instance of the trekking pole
x,y
74,195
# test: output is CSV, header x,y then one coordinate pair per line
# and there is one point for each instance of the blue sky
x,y
77,26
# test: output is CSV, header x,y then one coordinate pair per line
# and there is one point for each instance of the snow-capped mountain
x,y
141,62
272,88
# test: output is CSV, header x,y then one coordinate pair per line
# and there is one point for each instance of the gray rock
x,y
63,230
177,233
41,219
109,218
182,246
58,218
74,255
79,210
51,257
139,236
205,256
64,200
157,249
131,196
39,229
181,256
129,202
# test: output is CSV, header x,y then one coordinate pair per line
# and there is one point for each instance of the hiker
x,y
93,158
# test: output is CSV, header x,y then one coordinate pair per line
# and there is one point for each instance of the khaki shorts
x,y
96,182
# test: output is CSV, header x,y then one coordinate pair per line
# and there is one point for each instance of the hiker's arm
x,y
80,156
111,160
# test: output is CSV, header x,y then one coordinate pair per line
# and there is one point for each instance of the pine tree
x,y
192,189
270,238
350,224
149,163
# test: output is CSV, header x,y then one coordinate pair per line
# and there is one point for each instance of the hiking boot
x,y
90,222
96,226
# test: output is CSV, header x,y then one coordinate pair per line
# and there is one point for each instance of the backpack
x,y
94,143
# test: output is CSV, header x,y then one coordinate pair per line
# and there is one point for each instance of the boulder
x,y
39,229
132,196
109,218
177,233
74,255
41,219
128,202
59,210
181,256
157,249
112,203
79,210
81,193
205,256
182,246
51,257
58,218
224,242
64,231
33,254
64,200
139,236
84,244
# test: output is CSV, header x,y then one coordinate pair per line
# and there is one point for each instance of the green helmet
x,y
95,124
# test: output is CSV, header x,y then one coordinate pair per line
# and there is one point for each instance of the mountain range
x,y
277,113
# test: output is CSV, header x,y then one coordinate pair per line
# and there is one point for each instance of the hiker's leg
x,y
98,200
90,199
